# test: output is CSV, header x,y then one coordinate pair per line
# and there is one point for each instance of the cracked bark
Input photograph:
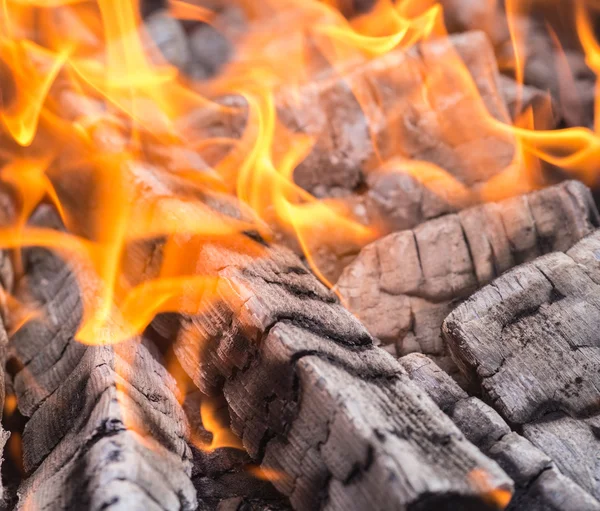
x,y
404,285
530,341
105,427
539,484
313,399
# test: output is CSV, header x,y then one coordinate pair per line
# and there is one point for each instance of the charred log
x,y
539,484
105,427
404,285
314,400
530,340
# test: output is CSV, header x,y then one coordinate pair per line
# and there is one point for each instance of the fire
x,y
93,121
496,497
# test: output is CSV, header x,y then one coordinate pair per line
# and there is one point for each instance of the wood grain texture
x,y
105,428
313,399
404,285
539,483
530,340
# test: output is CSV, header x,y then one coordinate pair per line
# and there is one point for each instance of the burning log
x,y
550,51
313,400
404,285
382,103
105,427
539,484
530,340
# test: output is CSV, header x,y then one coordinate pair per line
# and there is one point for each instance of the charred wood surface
x,y
404,285
530,341
105,427
223,477
539,484
314,400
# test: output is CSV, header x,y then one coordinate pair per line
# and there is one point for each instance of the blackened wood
x,y
105,427
314,400
530,340
404,285
539,484
224,477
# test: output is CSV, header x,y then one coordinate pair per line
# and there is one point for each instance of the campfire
x,y
299,254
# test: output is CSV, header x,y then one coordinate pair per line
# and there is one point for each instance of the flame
x,y
497,497
222,436
10,405
93,121
266,474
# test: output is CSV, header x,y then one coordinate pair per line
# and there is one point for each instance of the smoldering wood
x,y
539,484
530,341
313,399
222,477
105,427
404,285
400,120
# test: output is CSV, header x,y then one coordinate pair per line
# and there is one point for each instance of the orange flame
x,y
497,497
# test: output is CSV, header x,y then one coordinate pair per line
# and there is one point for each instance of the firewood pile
x,y
337,255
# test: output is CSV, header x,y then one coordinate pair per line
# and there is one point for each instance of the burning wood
x,y
296,370
538,323
225,477
4,435
404,285
385,101
105,427
178,356
539,484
